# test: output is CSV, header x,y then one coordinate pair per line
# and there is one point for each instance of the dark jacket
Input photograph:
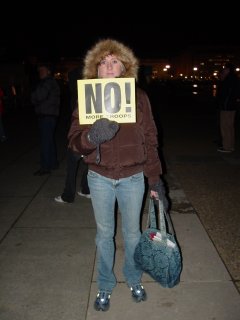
x,y
46,97
228,92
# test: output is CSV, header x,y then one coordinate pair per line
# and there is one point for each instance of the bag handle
x,y
162,214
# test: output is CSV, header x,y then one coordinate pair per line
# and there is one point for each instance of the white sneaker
x,y
86,195
60,200
224,150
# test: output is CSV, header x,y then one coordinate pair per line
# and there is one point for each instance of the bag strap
x,y
162,214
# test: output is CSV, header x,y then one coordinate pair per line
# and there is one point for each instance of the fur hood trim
x,y
104,48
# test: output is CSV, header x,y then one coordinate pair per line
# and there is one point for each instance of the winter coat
x,y
134,148
228,93
46,97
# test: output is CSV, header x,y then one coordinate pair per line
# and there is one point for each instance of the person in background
x,y
227,95
73,161
2,131
46,100
119,157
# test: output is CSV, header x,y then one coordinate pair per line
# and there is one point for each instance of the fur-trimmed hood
x,y
104,48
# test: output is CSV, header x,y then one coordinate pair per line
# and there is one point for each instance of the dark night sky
x,y
65,31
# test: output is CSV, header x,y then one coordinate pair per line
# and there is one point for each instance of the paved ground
x,y
47,250
209,179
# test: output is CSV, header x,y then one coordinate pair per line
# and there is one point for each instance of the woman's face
x,y
110,67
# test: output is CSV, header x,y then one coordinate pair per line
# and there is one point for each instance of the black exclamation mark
x,y
128,96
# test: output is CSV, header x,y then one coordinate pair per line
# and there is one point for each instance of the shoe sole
x,y
84,195
61,201
101,308
139,299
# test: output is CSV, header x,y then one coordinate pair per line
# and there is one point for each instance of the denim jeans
x,y
128,192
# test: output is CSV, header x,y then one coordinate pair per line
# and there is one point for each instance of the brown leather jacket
x,y
132,150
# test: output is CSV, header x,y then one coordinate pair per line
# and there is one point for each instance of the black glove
x,y
102,130
161,190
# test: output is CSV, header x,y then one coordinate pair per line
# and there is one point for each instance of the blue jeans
x,y
128,192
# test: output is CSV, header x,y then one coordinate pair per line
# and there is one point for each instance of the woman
x,y
128,153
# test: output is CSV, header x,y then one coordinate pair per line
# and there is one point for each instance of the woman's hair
x,y
107,47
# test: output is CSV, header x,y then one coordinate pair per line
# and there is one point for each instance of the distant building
x,y
205,62
201,62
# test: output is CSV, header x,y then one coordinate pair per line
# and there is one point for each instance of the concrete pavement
x,y
48,254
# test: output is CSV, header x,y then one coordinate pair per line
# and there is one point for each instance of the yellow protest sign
x,y
112,98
